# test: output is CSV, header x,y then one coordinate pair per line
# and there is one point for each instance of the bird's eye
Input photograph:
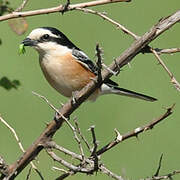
x,y
45,37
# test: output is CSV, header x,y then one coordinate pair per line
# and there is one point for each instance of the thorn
x,y
104,13
159,166
91,127
73,100
118,67
172,107
56,116
46,123
62,104
74,97
65,7
129,65
137,137
137,130
108,69
118,135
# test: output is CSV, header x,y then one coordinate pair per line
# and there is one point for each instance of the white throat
x,y
51,50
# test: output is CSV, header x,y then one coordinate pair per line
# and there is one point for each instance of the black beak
x,y
29,42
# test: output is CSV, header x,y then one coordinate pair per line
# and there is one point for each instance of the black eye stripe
x,y
58,40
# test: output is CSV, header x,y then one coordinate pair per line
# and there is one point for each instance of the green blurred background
x,y
28,114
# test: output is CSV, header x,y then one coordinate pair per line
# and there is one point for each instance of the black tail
x,y
126,92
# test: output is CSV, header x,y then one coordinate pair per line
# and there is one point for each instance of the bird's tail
x,y
125,92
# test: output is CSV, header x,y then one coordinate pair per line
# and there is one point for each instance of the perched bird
x,y
67,68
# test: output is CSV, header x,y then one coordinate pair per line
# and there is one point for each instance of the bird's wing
x,y
84,60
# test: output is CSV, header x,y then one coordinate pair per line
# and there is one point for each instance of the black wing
x,y
83,59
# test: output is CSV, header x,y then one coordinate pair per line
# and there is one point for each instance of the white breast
x,y
55,74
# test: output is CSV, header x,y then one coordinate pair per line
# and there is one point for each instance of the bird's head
x,y
48,40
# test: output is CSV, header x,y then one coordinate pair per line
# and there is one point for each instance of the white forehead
x,y
39,32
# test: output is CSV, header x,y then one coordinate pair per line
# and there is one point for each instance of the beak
x,y
29,42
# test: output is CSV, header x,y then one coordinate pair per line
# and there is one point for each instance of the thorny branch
x,y
109,173
155,51
91,164
159,166
173,79
14,133
21,7
167,51
81,135
167,176
105,17
59,8
76,138
64,113
119,138
65,119
68,108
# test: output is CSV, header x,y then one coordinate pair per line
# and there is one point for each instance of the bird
x,y
67,68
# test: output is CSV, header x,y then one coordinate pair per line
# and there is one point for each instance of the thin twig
x,y
65,175
66,120
136,131
159,166
109,70
29,173
53,145
173,79
167,176
14,133
20,144
76,138
94,154
59,8
59,169
94,140
99,62
106,171
38,172
67,164
79,143
21,7
53,107
46,100
167,51
102,15
81,135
